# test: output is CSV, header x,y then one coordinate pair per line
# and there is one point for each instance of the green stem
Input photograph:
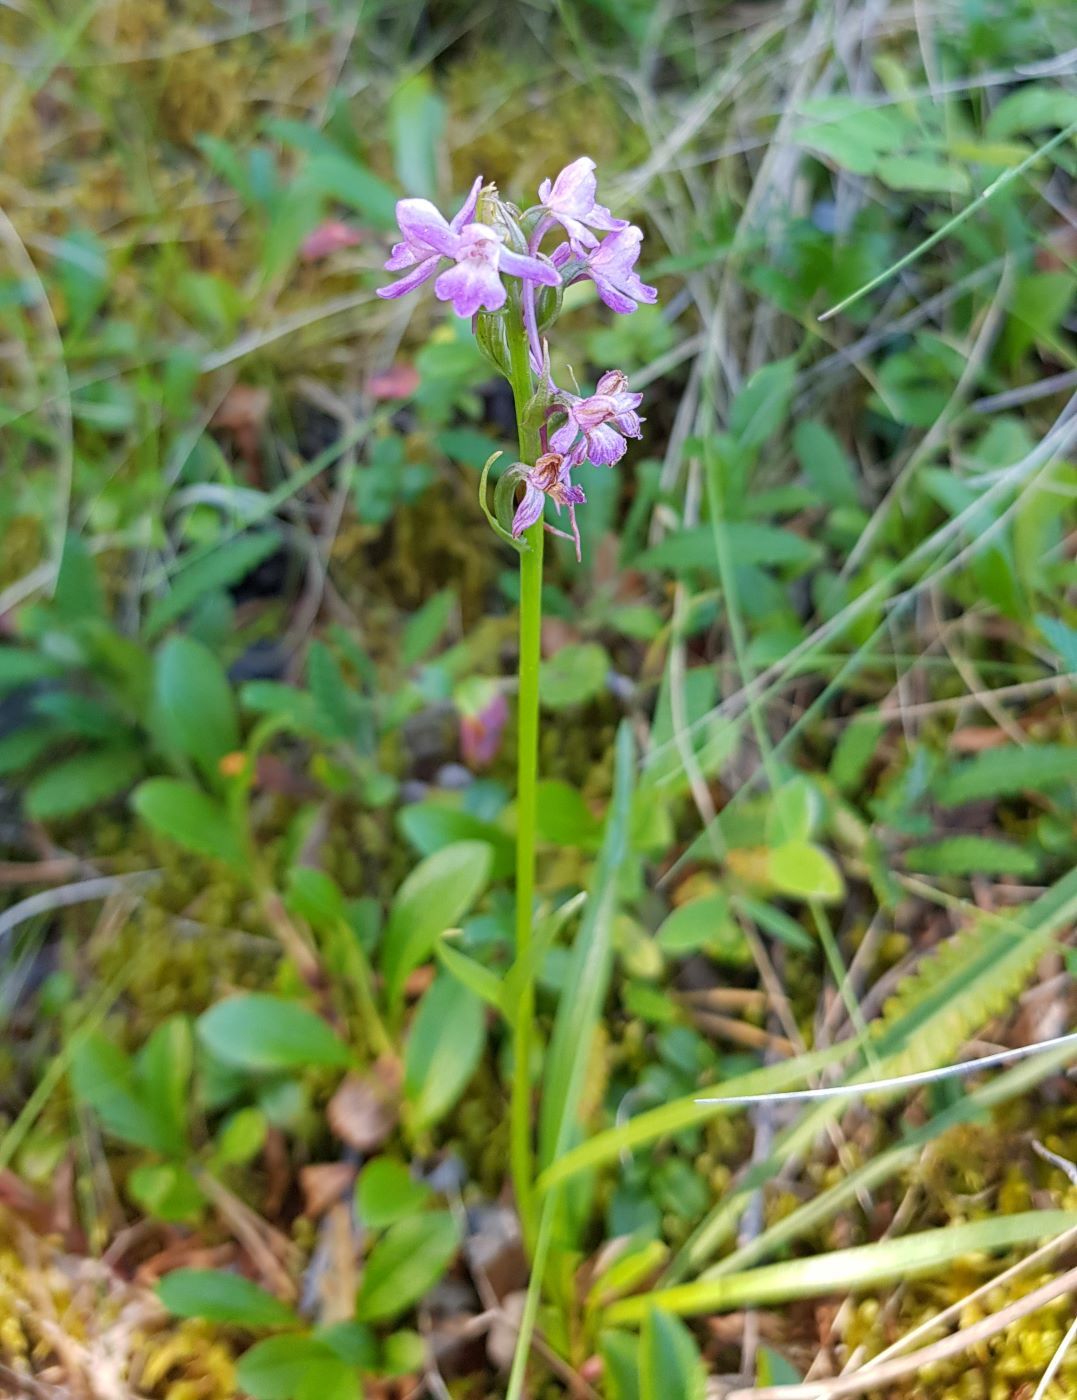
x,y
526,783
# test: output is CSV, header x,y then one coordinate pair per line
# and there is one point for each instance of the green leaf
x,y
620,1364
353,184
405,1265
851,133
972,855
748,542
434,897
266,1034
240,1138
761,407
20,666
85,781
423,629
224,566
24,745
1032,108
220,1297
429,826
163,1069
573,675
296,1367
168,1191
416,125
444,1047
669,1360
78,594
824,462
795,811
103,1078
804,871
315,896
776,922
1007,772
705,924
196,714
387,1192
187,816
925,174
486,985
563,818
858,745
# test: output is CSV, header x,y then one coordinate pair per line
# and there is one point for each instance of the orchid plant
x,y
495,265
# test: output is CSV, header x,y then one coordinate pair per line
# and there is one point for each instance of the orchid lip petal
x,y
469,285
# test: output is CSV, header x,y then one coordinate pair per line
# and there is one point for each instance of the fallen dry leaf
x,y
363,1111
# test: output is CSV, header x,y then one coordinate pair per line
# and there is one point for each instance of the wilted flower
x,y
548,477
329,237
480,732
595,428
570,199
477,250
612,269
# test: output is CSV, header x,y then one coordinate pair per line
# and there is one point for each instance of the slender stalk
x,y
526,780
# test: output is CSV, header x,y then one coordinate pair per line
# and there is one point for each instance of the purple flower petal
x,y
472,284
424,228
573,192
614,299
422,273
466,212
601,218
401,257
530,269
628,422
564,436
528,511
605,445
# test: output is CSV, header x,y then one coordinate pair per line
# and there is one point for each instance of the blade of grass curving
x,y
887,1164
948,997
1007,178
846,1270
577,1015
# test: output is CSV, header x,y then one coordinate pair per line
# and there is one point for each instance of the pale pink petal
x,y
531,269
563,437
605,446
466,212
528,511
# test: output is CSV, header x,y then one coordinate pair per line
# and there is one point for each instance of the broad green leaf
x,y
87,780
431,825
405,1264
824,462
795,811
804,871
240,1137
972,855
776,922
78,593
221,1297
265,1034
471,974
196,714
315,896
1031,108
296,1367
387,1192
705,924
433,898
926,174
620,1364
749,542
103,1078
669,1360
424,628
163,1070
20,666
563,818
848,1270
573,675
186,815
851,133
443,1049
1006,772
209,572
20,748
858,745
761,407
168,1191
353,184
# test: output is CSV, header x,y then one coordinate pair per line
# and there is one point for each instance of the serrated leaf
x,y
972,855
1006,772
